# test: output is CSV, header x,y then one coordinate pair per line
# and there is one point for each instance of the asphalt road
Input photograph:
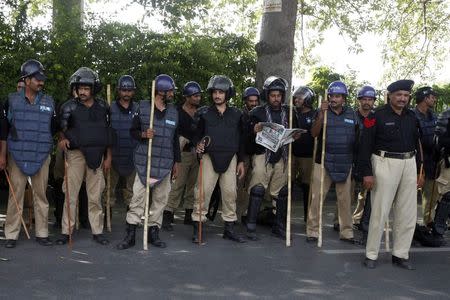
x,y
218,269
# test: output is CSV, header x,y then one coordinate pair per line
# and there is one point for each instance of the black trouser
x,y
365,219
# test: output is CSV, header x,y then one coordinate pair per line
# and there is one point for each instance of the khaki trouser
x,y
77,171
343,193
39,186
302,169
430,198
272,177
395,183
242,195
227,183
159,194
185,182
127,191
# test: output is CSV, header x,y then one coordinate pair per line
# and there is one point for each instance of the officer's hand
x,y
296,135
200,147
149,134
2,162
324,106
368,182
240,170
175,171
258,127
420,181
107,164
64,144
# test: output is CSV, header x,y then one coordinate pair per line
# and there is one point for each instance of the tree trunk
x,y
68,12
275,49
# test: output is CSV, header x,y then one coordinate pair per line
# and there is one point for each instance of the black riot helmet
x,y
223,83
275,83
32,68
126,82
307,94
86,76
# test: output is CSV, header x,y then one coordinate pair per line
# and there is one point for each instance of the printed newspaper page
x,y
274,135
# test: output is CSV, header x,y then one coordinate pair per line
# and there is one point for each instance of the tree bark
x,y
67,11
275,49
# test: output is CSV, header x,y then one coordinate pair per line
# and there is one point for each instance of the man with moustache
x,y
164,161
270,169
425,101
222,159
183,187
388,165
341,137
251,99
32,124
86,139
122,113
303,148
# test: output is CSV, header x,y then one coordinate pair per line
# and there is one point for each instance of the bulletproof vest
x,y
340,144
304,146
89,131
162,143
427,126
30,139
225,133
122,151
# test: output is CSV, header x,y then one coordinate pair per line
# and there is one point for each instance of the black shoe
x,y
63,239
130,239
370,263
153,237
311,239
336,227
100,238
350,240
44,241
402,263
251,235
10,244
167,220
188,217
229,233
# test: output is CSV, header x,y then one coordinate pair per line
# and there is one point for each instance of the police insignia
x,y
369,122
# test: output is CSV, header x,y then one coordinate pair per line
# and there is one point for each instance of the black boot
x,y
279,227
153,237
101,239
188,217
305,189
229,233
63,239
441,215
167,220
254,204
130,239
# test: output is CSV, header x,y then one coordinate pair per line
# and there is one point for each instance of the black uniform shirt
x,y
187,127
304,146
387,131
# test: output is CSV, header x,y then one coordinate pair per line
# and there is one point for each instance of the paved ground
x,y
219,269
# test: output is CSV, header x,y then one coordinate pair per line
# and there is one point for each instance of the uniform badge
x,y
170,122
369,122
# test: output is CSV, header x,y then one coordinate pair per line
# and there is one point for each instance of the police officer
x,y
442,212
303,148
223,157
425,101
86,137
269,168
366,97
188,168
32,124
164,161
251,98
122,112
341,136
388,166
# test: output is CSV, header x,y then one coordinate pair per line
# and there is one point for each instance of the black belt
x,y
397,155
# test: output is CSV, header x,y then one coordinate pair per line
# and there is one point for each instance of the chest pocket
x,y
391,130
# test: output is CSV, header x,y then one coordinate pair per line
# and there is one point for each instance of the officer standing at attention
x,y
341,137
32,124
222,158
86,139
183,187
122,113
388,165
164,161
303,148
425,101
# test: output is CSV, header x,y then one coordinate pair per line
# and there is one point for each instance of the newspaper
x,y
273,135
